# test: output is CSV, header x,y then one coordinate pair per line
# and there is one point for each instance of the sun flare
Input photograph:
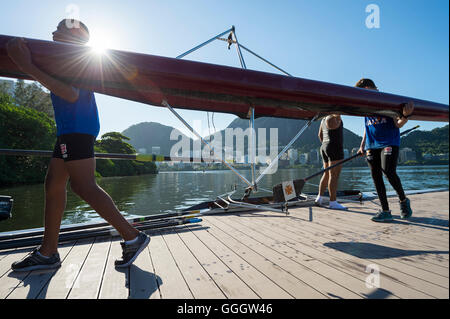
x,y
99,43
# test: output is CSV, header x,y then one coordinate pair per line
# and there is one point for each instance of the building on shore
x,y
406,154
156,150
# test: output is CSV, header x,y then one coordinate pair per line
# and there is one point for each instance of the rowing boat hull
x,y
201,86
267,202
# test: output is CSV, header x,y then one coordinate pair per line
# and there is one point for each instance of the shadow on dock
x,y
374,251
142,284
378,294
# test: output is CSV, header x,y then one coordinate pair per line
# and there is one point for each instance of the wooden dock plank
x,y
230,284
426,224
33,282
262,246
345,223
66,276
288,282
317,242
114,281
143,281
349,265
402,232
10,257
5,253
200,283
313,262
173,286
358,233
261,284
378,250
408,256
90,277
314,247
259,255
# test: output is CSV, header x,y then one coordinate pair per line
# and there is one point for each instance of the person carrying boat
x,y
380,144
331,135
73,159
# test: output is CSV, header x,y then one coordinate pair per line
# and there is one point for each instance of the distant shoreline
x,y
297,166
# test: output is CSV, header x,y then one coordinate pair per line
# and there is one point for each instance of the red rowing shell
x,y
201,86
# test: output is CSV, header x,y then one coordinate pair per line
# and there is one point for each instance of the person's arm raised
x,y
20,54
407,110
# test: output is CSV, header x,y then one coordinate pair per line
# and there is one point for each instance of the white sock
x,y
318,199
40,255
336,205
132,241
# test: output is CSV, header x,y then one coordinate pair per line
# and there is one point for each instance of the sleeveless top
x,y
334,137
80,116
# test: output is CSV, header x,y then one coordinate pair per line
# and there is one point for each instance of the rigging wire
x,y
211,152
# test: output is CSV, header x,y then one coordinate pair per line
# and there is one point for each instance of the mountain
x,y
150,134
288,128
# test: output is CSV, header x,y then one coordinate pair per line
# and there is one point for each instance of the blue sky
x,y
325,40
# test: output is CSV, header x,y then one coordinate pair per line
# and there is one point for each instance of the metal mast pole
x,y
204,43
252,116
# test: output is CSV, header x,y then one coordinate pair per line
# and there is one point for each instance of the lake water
x,y
168,191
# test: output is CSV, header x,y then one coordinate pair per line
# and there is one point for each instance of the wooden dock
x,y
312,253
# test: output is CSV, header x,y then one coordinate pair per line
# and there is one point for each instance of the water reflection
x,y
167,191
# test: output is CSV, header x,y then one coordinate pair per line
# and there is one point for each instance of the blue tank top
x,y
381,132
78,117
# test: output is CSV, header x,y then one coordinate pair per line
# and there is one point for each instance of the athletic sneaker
x,y
336,205
318,200
131,251
405,209
35,261
382,216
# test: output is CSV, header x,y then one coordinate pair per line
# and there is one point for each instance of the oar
x,y
409,130
136,157
278,194
70,228
87,234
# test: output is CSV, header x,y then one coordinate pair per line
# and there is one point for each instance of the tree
x,y
23,128
115,142
33,96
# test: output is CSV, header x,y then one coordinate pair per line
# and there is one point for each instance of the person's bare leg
x,y
82,182
322,185
333,186
55,203
333,181
324,180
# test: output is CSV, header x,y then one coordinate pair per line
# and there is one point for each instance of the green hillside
x,y
432,142
150,134
146,135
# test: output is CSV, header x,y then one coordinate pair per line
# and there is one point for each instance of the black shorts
x,y
74,146
331,152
